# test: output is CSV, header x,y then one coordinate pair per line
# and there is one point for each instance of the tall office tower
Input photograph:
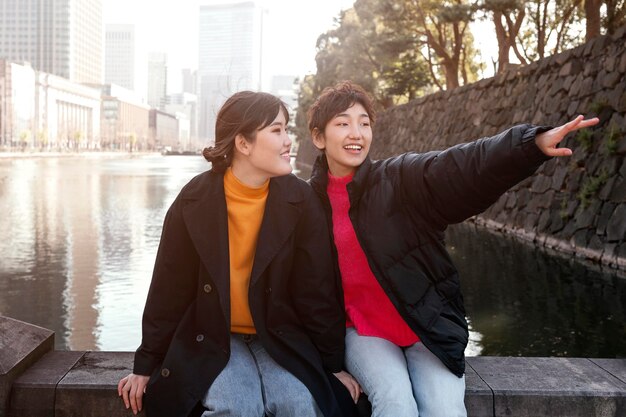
x,y
61,37
190,82
229,57
157,79
285,87
119,53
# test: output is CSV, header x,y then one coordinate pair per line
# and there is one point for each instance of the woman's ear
x,y
318,139
242,145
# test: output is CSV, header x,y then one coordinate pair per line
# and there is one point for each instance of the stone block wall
x,y
575,204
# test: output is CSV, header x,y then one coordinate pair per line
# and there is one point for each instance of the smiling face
x,y
264,157
346,140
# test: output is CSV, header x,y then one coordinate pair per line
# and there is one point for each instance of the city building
x,y
190,81
286,88
184,133
46,112
229,57
164,131
124,121
120,57
17,105
67,114
157,79
186,104
61,37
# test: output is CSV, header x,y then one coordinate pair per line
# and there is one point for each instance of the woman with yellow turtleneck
x,y
243,316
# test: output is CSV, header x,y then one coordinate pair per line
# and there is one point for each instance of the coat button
x,y
200,338
165,372
268,290
207,288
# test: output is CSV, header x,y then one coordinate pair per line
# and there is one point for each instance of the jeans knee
x,y
393,402
394,408
443,407
301,406
250,410
243,408
431,397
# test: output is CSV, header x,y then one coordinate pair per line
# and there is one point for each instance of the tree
x,y
365,48
615,15
508,16
78,136
306,96
42,138
400,74
343,54
133,141
549,28
24,138
592,15
440,31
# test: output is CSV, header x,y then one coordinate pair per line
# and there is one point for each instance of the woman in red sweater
x,y
406,322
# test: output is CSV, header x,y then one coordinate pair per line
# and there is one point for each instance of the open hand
x,y
131,388
547,141
350,383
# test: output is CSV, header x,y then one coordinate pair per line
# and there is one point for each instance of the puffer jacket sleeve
x,y
172,290
452,185
314,286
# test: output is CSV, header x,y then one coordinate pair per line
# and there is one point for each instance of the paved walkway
x,y
104,154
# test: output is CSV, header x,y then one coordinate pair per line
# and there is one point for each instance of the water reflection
x,y
84,233
80,235
525,302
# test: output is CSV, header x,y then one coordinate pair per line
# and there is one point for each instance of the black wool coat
x,y
400,208
293,296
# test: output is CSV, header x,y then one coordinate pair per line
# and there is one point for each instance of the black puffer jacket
x,y
400,208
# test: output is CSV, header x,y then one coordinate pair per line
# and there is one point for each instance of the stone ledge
x,y
572,387
72,384
90,388
39,383
21,345
84,384
64,384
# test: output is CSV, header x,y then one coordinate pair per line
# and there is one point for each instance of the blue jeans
x,y
253,385
403,382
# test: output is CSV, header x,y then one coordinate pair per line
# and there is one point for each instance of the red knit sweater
x,y
368,309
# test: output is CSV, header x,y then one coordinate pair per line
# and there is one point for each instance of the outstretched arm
x,y
547,141
450,186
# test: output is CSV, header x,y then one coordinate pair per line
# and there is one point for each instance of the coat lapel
x,y
207,222
279,220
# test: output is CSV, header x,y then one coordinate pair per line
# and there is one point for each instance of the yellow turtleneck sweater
x,y
245,206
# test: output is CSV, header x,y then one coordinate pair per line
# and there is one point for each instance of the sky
x,y
171,26
291,30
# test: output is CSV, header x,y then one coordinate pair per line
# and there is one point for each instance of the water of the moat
x,y
79,236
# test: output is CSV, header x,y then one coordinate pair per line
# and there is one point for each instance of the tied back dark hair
x,y
245,113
